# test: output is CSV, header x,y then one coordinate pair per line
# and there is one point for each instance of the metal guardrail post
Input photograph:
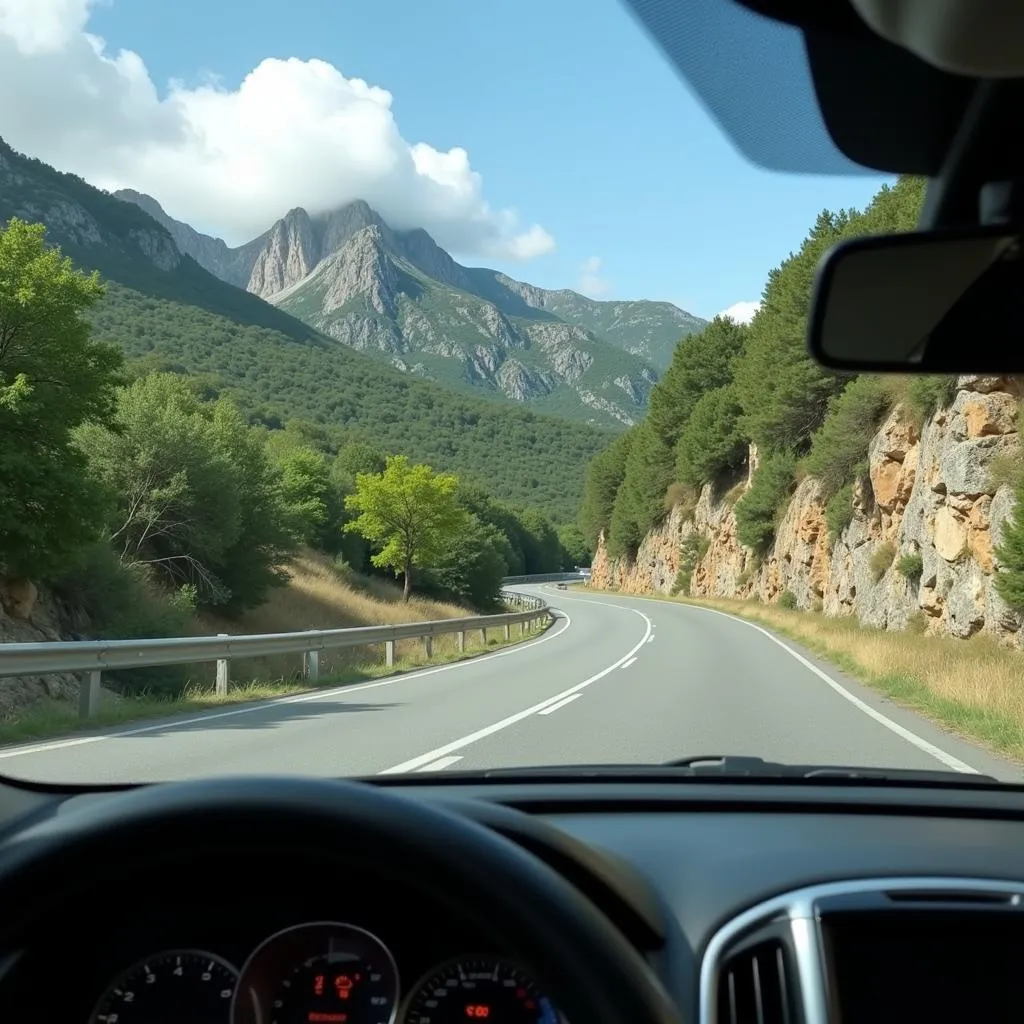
x,y
89,694
221,685
389,653
460,639
483,636
311,666
508,631
428,646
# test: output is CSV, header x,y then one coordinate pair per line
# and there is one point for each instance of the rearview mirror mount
x,y
921,302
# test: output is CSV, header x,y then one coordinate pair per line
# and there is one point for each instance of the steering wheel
x,y
589,968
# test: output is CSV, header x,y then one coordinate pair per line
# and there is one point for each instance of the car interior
x,y
707,892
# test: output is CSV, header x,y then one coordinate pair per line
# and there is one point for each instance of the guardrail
x,y
550,577
96,656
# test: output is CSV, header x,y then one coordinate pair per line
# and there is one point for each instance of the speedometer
x,y
324,972
479,989
168,987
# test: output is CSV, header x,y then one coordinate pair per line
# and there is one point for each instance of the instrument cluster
x,y
320,972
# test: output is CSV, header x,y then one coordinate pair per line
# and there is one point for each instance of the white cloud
x,y
591,282
294,133
741,312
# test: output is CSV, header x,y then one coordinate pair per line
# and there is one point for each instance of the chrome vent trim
x,y
799,910
755,985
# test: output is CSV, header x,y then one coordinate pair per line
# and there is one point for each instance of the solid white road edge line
x,y
302,698
628,663
441,763
561,704
911,737
488,730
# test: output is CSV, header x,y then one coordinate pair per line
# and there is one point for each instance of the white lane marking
x,y
488,730
440,764
911,737
303,698
631,660
650,639
552,708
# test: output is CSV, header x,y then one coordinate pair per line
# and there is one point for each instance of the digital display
x,y
933,967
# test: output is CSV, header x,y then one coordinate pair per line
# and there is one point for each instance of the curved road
x,y
614,679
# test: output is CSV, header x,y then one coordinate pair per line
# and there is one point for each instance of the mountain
x,y
399,296
164,309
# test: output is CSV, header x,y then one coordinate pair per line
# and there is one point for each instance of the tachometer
x,y
479,989
168,987
320,973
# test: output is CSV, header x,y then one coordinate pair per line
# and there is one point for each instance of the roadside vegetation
x,y
733,386
152,504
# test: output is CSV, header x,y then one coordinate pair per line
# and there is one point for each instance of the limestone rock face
x,y
929,492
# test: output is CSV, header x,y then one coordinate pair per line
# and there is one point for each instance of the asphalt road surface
x,y
613,680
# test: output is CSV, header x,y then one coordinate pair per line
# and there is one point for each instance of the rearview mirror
x,y
928,302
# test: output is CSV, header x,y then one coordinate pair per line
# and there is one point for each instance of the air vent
x,y
753,986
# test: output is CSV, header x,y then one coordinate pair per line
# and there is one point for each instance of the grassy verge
x,y
974,687
55,718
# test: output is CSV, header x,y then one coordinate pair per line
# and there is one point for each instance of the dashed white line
x,y
630,662
488,730
552,708
440,764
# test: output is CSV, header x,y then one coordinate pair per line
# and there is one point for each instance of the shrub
x,y
917,623
683,496
694,548
839,511
926,394
787,599
839,447
882,559
910,565
759,510
682,582
124,604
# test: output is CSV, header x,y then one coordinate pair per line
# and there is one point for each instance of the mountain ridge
x,y
401,297
166,312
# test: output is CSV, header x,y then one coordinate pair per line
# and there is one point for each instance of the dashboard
x,y
753,903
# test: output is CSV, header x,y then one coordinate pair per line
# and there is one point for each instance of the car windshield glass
x,y
393,388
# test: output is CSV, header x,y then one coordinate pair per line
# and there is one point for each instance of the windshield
x,y
396,388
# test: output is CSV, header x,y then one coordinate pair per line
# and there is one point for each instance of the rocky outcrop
x,y
924,526
32,615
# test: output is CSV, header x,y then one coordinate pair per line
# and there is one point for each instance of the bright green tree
x,y
196,500
53,377
410,511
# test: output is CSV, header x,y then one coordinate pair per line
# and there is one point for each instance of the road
x,y
614,679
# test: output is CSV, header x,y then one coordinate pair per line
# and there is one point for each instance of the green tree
x,y
758,511
783,392
604,476
574,546
195,500
53,377
711,440
410,511
839,448
470,567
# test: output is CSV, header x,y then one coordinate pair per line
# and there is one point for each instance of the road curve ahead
x,y
614,679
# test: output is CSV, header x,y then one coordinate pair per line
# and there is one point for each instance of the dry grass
x,y
321,596
974,687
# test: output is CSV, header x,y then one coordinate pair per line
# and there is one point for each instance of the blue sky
x,y
569,114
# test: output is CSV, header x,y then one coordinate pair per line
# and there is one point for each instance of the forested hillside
x,y
733,385
163,306
757,474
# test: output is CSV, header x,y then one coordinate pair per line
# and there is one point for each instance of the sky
x,y
549,139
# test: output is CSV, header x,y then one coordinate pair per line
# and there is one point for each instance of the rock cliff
x,y
919,547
